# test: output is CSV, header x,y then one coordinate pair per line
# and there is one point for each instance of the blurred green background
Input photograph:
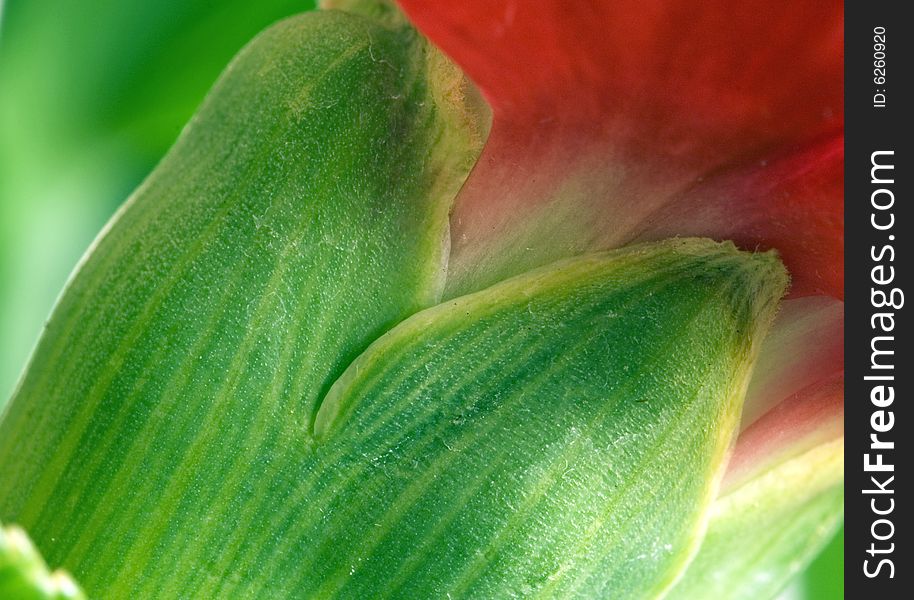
x,y
92,93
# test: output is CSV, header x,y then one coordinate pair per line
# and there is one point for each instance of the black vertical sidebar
x,y
879,384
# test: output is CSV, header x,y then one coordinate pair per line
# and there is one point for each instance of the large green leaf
x,y
301,214
557,434
25,576
147,107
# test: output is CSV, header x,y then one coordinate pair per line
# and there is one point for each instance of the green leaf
x,y
24,574
824,577
781,502
767,529
557,435
302,213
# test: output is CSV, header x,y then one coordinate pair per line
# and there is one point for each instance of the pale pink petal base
x,y
812,417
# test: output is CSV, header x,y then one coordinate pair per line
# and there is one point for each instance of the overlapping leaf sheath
x,y
240,394
766,531
556,435
780,503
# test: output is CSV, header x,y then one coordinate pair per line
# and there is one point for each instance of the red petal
x,y
701,72
604,111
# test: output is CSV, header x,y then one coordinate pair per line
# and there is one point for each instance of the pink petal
x,y
805,345
792,202
812,416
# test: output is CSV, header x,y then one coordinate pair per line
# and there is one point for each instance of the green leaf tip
x,y
466,116
781,501
758,279
558,434
24,574
385,12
